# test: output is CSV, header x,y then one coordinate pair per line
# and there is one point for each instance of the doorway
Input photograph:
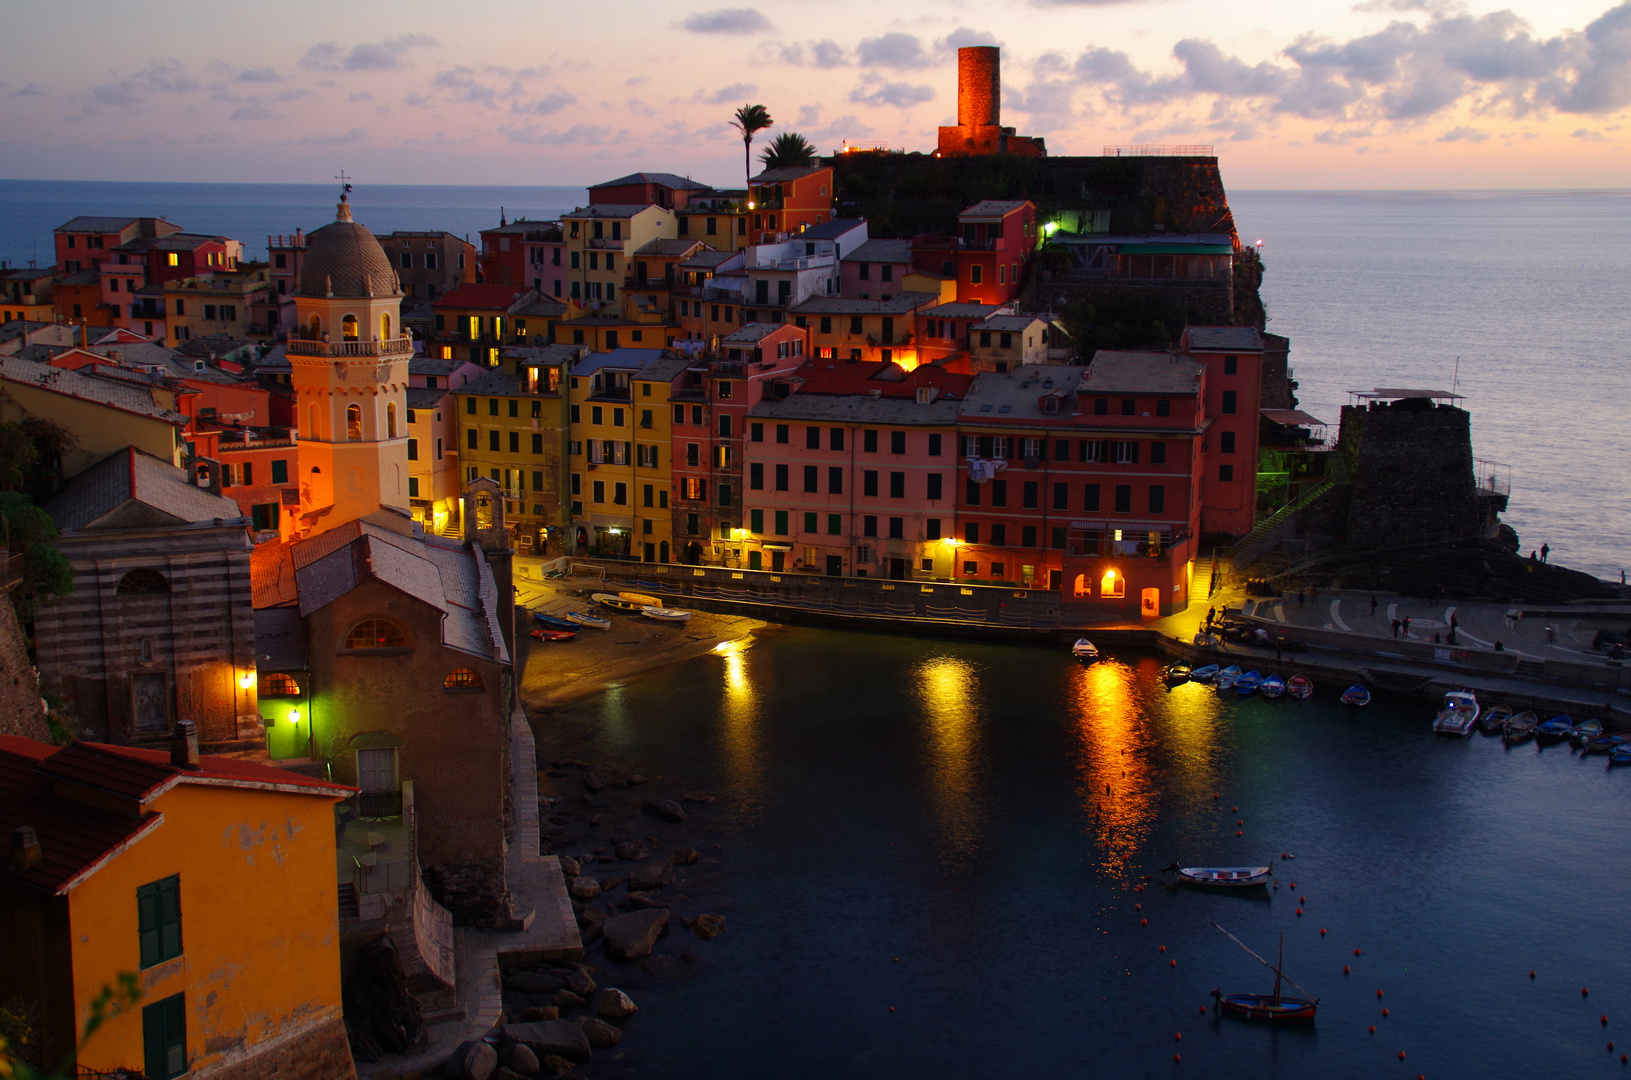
x,y
1150,604
835,566
149,703
778,559
897,569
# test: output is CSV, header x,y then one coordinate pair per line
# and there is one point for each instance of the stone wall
x,y
316,1052
20,710
1202,305
1279,388
1411,468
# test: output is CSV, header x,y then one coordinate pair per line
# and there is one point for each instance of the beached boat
x,y
1620,755
1300,687
1602,744
665,614
1585,729
1204,674
1356,696
1084,650
643,599
1554,729
1248,683
544,633
616,603
1224,877
1175,674
550,622
1494,720
1226,678
1520,727
1273,1007
1272,687
588,618
1459,714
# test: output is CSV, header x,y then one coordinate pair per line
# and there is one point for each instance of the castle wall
x,y
1412,471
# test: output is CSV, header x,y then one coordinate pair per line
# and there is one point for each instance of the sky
x,y
1383,94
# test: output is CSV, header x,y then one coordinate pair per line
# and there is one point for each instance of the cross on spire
x,y
345,183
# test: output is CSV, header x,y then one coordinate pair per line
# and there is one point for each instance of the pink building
x,y
875,270
1233,357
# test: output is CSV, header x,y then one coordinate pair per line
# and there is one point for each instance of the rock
x,y
566,999
589,934
639,901
597,820
637,779
590,914
472,1060
700,796
600,1033
629,937
630,850
664,966
708,926
546,1037
684,856
651,876
543,1012
508,1074
593,782
570,867
607,884
584,888
555,1065
667,809
521,1058
533,982
615,1004
579,983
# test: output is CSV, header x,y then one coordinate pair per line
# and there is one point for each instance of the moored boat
x,y
643,599
1300,687
665,614
1620,755
588,618
1554,729
1226,678
616,603
1459,714
1084,650
1272,687
1356,696
1225,877
1602,744
1585,729
1175,674
1204,674
544,633
1248,683
1273,1006
1494,720
550,622
1520,727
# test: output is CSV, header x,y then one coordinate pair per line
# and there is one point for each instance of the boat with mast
x,y
1274,1006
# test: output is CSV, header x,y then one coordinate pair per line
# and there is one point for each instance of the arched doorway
x,y
385,326
348,328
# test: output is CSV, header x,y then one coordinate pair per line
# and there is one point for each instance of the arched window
x,y
385,326
311,421
390,419
1113,586
143,580
277,684
316,328
348,328
462,679
376,634
353,423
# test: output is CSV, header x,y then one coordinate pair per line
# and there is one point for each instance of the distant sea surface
x,y
1375,289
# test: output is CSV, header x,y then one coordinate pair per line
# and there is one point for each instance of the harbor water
x,y
932,852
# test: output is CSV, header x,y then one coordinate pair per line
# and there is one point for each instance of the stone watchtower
x,y
350,357
979,129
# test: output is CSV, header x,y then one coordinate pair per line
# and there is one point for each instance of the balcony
x,y
397,346
603,243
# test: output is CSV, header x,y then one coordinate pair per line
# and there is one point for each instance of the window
x,y
1058,540
897,442
470,406
158,918
1124,498
931,529
1158,499
1128,406
869,482
725,426
693,489
1027,536
812,438
724,493
1231,364
1226,472
934,444
493,441
781,477
353,423
971,568
598,489
376,634
1030,495
781,522
835,438
1158,453
537,444
869,441
869,525
782,432
971,493
756,521
471,435
974,279
999,493
1113,586
462,679
1101,406
679,414
620,494
1090,498
143,580
164,1034
971,532
934,485
1229,398
1226,442
1124,453
810,520
835,524
999,537
835,480
515,442
756,476
413,449
897,485
1163,406
811,475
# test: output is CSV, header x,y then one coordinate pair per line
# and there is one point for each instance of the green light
x,y
1050,228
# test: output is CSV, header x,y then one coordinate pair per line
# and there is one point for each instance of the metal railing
x,y
398,346
1159,150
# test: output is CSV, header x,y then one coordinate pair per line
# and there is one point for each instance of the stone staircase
x,y
1530,669
348,902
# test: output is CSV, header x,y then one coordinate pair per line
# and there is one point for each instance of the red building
x,y
788,200
649,189
996,239
1233,358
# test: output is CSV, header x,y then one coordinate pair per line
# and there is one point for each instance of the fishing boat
x,y
1084,650
544,633
1274,1007
1620,755
1225,877
1520,727
665,614
1356,696
1175,674
643,599
1300,687
616,603
1585,729
588,618
1248,683
550,622
1459,714
1493,721
1204,674
1272,687
1602,744
1554,729
1226,678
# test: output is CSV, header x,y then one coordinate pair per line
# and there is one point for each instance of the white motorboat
x,y
1459,715
1084,650
665,614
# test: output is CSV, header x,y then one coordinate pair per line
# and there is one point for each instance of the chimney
x,y
25,847
184,745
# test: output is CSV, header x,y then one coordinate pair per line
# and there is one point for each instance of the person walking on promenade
x,y
1395,627
1551,634
1545,550
1373,605
1454,622
1279,647
1406,625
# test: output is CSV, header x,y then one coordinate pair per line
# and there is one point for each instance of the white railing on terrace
x,y
397,346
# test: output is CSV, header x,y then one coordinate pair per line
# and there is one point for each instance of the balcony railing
x,y
605,242
397,346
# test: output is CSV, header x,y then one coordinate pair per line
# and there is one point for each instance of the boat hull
x,y
1267,1008
583,618
616,603
662,614
1225,877
1300,687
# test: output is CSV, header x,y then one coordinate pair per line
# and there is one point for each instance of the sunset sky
x,y
1378,94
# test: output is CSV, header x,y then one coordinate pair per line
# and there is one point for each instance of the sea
x,y
1515,300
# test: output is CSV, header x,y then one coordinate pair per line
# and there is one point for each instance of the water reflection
x,y
948,692
740,737
1115,785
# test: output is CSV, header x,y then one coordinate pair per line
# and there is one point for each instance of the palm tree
x,y
788,150
750,120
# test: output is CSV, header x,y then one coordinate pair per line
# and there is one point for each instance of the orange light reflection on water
x,y
740,736
948,693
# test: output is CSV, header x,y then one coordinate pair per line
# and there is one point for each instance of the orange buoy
x,y
1356,952
1143,922
1373,1029
1236,809
1531,974
1177,1036
1302,899
1344,969
1293,884
1401,1055
1242,821
1172,963
1378,993
1163,948
1299,912
1177,1057
1624,1058
891,1008
1322,931
1611,1047
1138,907
1239,833
1384,1014
1203,1010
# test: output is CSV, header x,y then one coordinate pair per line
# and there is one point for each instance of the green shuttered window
x,y
164,1037
158,917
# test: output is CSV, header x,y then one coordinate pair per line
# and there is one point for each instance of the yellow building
x,y
210,880
433,458
105,413
215,303
600,245
620,468
866,330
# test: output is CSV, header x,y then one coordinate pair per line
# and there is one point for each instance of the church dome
x,y
344,260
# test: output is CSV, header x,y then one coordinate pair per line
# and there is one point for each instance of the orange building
x,y
788,200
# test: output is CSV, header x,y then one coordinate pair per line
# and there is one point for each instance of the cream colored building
x,y
601,241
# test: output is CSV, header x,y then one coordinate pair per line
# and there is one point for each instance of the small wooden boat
x,y
1494,721
1602,744
588,618
1272,687
1175,674
544,633
1248,683
1300,687
1585,729
1204,674
1620,755
550,622
1554,729
640,598
1272,1007
1084,650
1225,877
1226,678
665,614
1206,641
616,603
1356,696
1520,727
1459,714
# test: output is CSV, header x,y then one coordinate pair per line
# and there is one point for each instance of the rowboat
x,y
1300,687
1494,721
550,622
1554,729
544,633
1204,674
1273,1007
1272,687
1520,727
1356,696
588,618
1459,714
616,603
1602,744
665,614
1248,683
1174,674
640,598
1226,678
1226,877
1620,755
1084,650
1585,729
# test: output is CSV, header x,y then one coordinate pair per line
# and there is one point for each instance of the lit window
x,y
462,679
376,634
277,684
143,580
